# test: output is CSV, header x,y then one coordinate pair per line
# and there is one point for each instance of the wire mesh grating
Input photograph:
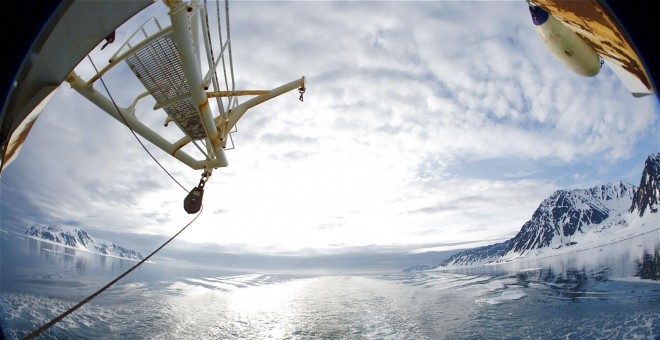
x,y
158,67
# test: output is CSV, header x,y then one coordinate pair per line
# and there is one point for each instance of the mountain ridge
x,y
80,239
571,218
648,194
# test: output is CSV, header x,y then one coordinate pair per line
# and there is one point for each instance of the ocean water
x,y
161,301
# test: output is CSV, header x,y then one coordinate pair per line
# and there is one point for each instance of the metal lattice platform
x,y
158,66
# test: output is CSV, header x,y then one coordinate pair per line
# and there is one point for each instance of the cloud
x,y
286,138
460,204
443,121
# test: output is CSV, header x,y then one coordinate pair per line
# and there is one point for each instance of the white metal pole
x,y
133,123
237,112
184,41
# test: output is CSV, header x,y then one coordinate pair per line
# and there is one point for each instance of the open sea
x,y
40,280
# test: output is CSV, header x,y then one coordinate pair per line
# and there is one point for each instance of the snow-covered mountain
x,y
80,239
571,220
648,194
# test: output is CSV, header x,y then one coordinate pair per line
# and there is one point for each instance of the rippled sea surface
x,y
166,302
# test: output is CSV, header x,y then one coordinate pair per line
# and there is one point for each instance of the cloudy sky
x,y
425,125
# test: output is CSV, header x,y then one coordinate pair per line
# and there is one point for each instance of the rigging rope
x,y
89,298
231,62
222,55
130,128
214,79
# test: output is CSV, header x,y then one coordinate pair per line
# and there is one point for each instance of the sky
x,y
433,125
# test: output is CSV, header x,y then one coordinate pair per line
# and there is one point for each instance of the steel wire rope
x,y
59,318
224,65
222,55
208,34
131,129
231,61
98,292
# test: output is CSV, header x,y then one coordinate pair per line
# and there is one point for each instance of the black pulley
x,y
193,202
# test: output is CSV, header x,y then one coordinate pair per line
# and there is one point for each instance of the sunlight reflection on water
x,y
271,306
161,302
327,307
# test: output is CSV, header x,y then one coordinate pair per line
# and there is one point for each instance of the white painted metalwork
x,y
60,43
168,62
